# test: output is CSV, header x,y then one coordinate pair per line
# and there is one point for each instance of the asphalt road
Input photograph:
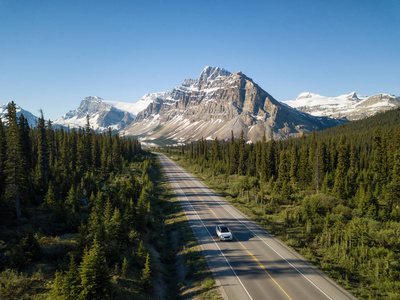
x,y
254,265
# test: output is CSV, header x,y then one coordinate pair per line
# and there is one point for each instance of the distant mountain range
x,y
103,114
215,104
350,107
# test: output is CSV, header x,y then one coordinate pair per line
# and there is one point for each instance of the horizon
x,y
55,54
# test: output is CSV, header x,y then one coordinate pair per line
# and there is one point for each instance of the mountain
x,y
351,106
32,119
103,114
214,105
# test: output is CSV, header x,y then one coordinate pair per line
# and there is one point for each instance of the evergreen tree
x,y
145,279
95,277
3,146
73,200
271,156
339,187
283,171
304,171
72,281
50,198
43,155
30,245
293,164
233,158
125,268
15,168
57,287
263,162
242,155
143,208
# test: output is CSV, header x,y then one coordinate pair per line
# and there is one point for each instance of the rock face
x,y
102,115
216,103
350,107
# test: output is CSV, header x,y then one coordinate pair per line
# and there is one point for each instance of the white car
x,y
223,232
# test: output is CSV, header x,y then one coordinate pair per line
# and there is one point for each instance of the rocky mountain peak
x,y
353,95
214,105
92,99
210,73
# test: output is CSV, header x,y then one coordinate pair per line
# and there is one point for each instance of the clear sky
x,y
53,53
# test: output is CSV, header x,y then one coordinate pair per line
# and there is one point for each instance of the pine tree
x,y
57,287
293,164
73,200
3,146
339,187
94,273
263,162
30,245
72,281
125,268
271,156
241,153
26,142
143,208
233,157
15,168
215,151
283,170
145,279
50,199
43,155
303,164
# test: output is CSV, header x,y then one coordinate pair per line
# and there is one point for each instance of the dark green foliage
x,y
30,245
125,268
15,163
145,279
72,281
94,274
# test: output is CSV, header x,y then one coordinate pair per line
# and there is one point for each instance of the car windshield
x,y
224,229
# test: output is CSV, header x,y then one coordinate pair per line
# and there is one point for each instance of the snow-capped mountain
x,y
103,114
32,119
214,105
350,106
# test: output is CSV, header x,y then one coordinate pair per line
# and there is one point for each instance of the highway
x,y
254,265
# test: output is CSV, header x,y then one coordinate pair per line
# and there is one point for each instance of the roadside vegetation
x,y
333,196
90,216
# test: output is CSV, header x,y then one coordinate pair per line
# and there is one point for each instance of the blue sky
x,y
54,53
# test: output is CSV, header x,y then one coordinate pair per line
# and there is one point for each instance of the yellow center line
x,y
251,254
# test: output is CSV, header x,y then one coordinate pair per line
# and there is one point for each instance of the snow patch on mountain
x,y
32,119
103,114
349,106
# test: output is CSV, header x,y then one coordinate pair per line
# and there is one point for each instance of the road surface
x,y
254,265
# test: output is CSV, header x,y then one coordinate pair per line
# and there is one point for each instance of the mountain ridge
x,y
217,103
349,106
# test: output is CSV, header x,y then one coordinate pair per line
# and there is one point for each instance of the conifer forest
x,y
333,195
84,215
